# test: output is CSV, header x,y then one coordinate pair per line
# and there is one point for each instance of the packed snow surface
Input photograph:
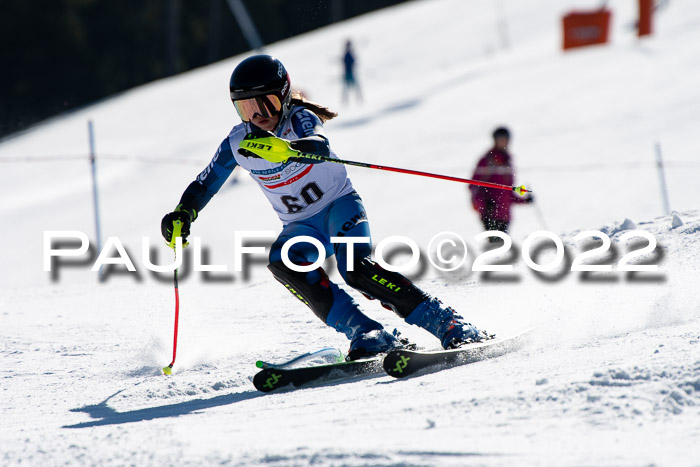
x,y
611,375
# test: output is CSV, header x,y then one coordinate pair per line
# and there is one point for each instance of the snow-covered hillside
x,y
612,375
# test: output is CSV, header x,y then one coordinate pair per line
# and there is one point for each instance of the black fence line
x,y
202,162
621,165
109,157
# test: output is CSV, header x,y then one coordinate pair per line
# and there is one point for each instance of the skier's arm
x,y
200,191
312,144
312,136
483,171
312,140
210,180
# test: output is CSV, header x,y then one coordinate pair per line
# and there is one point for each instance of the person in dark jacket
x,y
496,166
349,78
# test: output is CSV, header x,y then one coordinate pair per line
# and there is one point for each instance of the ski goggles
x,y
265,106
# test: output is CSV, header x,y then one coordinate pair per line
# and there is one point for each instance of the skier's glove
x,y
311,145
183,214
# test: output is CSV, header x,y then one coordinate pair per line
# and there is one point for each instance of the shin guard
x,y
391,288
317,296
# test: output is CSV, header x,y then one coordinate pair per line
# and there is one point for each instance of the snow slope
x,y
613,373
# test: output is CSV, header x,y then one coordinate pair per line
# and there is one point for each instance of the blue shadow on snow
x,y
108,416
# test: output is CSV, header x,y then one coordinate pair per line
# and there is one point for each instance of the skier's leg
x,y
330,303
411,303
495,224
312,287
346,91
500,225
358,90
348,219
392,289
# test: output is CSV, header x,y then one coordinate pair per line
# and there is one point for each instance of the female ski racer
x,y
318,200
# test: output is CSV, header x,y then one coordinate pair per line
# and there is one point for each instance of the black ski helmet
x,y
261,75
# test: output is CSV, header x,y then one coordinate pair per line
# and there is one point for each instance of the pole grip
x,y
177,232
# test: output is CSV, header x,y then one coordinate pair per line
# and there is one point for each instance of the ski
x,y
326,355
311,368
402,363
270,379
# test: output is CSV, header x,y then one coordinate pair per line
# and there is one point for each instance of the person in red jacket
x,y
496,166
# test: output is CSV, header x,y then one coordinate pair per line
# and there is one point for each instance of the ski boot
x,y
373,343
367,337
445,324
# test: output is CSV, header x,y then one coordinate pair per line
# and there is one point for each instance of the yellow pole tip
x,y
167,370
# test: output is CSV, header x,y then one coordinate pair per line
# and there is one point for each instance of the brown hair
x,y
324,113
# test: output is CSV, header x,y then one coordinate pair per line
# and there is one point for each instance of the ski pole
x,y
521,190
177,230
540,217
277,150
